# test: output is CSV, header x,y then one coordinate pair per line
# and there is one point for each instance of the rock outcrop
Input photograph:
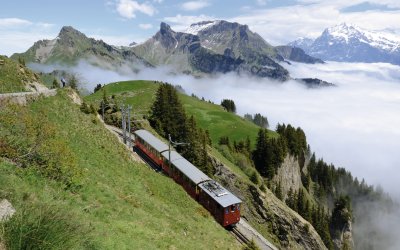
x,y
6,210
289,175
270,216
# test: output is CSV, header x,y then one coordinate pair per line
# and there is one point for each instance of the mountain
x,y
70,46
349,43
296,54
220,35
238,40
185,53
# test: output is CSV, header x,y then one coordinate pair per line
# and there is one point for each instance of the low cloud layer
x,y
354,125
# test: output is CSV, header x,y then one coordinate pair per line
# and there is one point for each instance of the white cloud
x,y
346,3
145,26
194,5
284,24
17,34
13,22
128,8
262,2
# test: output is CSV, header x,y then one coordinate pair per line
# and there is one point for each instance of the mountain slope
x,y
15,77
70,46
262,209
240,41
349,43
121,204
296,54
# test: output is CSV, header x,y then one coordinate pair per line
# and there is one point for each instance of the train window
x,y
233,208
227,210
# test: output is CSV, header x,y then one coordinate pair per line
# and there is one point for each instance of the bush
x,y
255,178
31,140
40,226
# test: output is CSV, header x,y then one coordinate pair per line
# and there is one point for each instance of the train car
x,y
151,146
222,204
185,173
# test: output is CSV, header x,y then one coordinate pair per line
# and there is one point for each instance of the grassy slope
x,y
127,204
140,94
14,76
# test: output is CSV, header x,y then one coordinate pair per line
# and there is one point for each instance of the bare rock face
x,y
343,236
269,215
289,175
6,210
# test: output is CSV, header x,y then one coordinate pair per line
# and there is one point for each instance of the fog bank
x,y
355,125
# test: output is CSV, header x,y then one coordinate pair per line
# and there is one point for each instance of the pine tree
x,y
229,105
259,153
73,82
55,84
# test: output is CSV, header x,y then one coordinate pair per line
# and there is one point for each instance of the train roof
x,y
187,168
219,193
154,142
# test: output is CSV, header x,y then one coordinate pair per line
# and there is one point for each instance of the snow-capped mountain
x,y
350,43
302,42
195,28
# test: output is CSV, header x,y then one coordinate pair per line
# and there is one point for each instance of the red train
x,y
222,204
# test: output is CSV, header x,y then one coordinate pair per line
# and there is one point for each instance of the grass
x,y
141,94
14,76
122,204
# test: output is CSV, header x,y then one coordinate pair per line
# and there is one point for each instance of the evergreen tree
x,y
168,117
55,84
97,88
259,153
73,82
229,105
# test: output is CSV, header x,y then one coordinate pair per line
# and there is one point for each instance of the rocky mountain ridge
x,y
186,52
71,46
214,47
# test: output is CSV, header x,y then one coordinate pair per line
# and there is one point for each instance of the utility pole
x,y
129,126
102,108
126,124
171,142
123,113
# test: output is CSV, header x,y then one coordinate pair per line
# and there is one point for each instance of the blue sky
x,y
120,22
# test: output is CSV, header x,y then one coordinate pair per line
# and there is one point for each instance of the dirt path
x,y
23,97
251,233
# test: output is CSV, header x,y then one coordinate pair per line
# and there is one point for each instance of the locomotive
x,y
222,204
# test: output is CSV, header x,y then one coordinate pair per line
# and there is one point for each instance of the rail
x,y
240,236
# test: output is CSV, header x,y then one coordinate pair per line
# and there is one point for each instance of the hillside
x,y
219,123
261,207
101,198
15,77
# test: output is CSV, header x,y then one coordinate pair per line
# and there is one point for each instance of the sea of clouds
x,y
355,125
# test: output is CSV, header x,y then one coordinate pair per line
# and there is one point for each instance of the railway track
x,y
240,236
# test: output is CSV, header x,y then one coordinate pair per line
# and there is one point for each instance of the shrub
x,y
40,226
31,141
